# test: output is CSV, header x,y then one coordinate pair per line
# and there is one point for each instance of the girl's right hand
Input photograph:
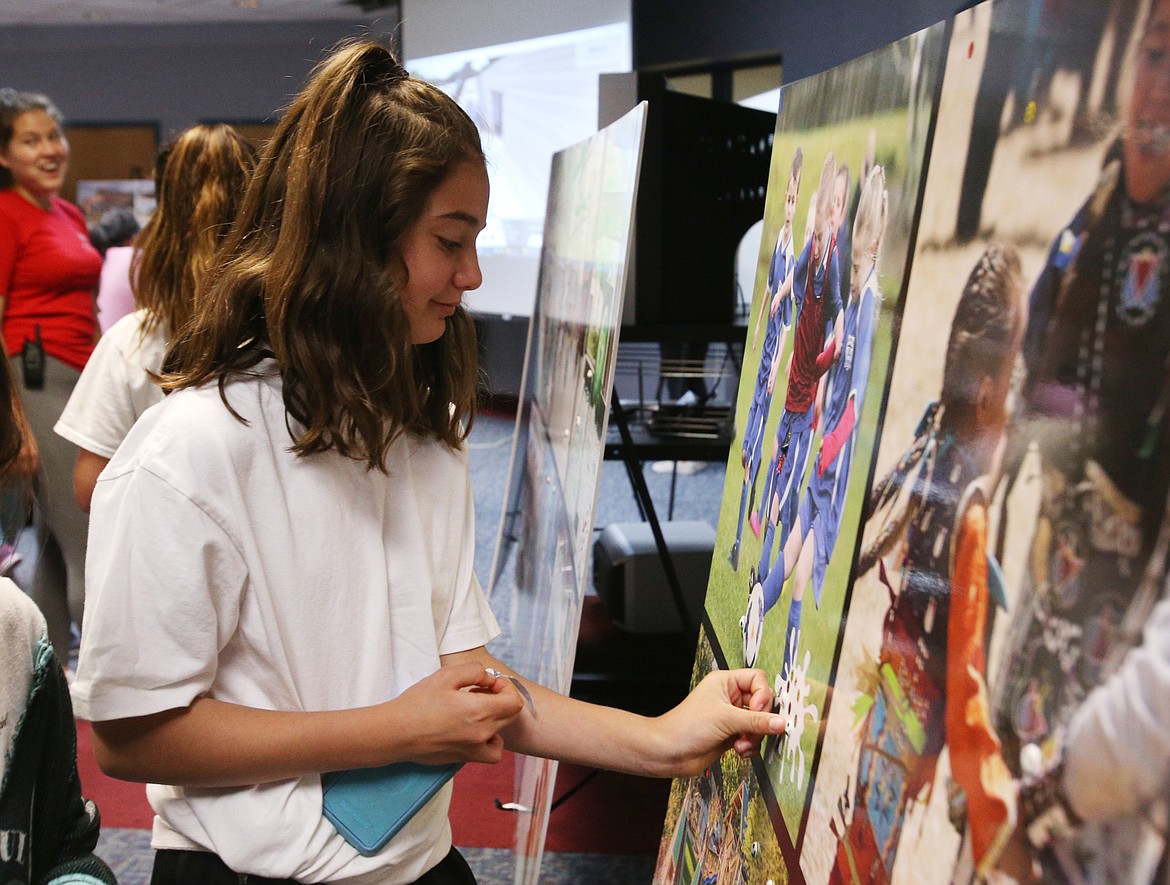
x,y
455,715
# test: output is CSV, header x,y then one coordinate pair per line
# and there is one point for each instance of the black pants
x,y
178,867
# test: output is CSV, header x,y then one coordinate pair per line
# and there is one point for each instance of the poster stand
x,y
633,463
555,464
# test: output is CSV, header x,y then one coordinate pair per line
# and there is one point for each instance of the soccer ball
x,y
752,624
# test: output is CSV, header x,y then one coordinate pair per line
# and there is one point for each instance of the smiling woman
x,y
37,156
48,273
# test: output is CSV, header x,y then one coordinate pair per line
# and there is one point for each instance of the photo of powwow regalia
x,y
1094,406
1094,415
1015,537
708,837
930,541
717,826
1095,409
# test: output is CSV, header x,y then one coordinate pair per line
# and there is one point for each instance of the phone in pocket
x,y
32,361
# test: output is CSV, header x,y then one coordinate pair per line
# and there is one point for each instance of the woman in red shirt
x,y
48,273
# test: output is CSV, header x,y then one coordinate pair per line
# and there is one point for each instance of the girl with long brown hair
x,y
199,192
292,527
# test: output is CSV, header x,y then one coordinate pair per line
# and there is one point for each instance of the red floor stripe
x,y
123,805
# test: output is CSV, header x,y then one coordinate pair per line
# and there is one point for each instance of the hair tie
x,y
383,69
398,71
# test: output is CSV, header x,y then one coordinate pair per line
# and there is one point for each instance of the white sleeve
x,y
164,583
1118,743
107,399
469,623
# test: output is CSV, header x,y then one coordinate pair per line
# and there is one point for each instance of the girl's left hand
x,y
727,710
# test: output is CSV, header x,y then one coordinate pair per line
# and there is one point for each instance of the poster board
x,y
101,152
556,459
1002,446
95,198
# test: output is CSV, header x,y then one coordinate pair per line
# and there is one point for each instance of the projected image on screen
x,y
530,99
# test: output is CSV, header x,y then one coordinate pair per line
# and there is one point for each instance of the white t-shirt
x,y
114,389
222,565
22,627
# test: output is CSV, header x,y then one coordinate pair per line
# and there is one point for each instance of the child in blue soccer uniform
x,y
775,332
818,517
814,287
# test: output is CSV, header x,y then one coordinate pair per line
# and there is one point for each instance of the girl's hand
x,y
727,710
454,715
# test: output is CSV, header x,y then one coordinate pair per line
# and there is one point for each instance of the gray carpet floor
x,y
129,855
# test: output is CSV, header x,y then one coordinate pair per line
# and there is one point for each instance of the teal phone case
x,y
369,805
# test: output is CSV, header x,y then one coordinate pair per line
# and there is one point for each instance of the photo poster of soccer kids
x,y
1014,532
843,184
